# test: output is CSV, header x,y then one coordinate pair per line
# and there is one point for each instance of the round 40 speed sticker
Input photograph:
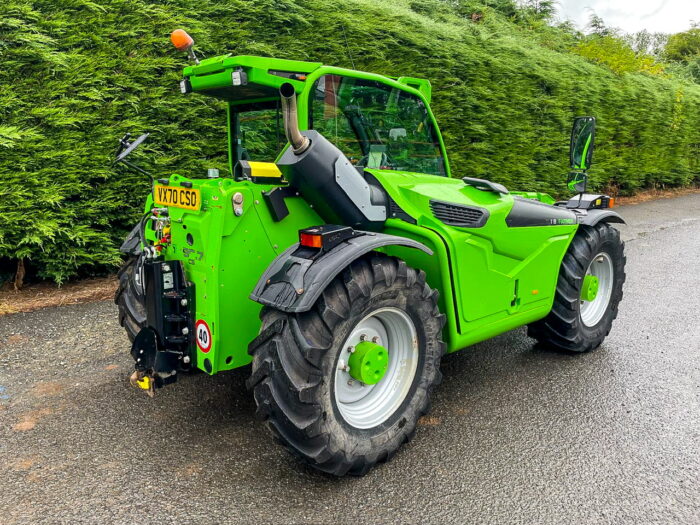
x,y
203,335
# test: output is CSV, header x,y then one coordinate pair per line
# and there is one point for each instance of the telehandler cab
x,y
343,259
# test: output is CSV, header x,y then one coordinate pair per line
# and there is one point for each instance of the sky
x,y
666,16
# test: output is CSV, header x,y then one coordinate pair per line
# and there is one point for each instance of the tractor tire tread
x,y
563,329
287,357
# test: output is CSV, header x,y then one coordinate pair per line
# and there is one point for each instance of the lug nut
x,y
351,349
363,337
375,339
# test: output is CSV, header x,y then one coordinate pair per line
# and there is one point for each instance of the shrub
x,y
78,74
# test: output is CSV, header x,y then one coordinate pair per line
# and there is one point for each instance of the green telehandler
x,y
342,257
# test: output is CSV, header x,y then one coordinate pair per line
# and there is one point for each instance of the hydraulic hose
x,y
299,142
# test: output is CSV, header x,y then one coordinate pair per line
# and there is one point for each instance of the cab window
x,y
257,131
376,125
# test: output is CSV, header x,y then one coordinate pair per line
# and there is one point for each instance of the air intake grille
x,y
459,215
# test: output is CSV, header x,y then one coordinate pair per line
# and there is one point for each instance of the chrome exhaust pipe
x,y
299,142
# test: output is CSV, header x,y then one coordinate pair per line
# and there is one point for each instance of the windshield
x,y
376,125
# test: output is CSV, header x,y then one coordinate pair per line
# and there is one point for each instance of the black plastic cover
x,y
529,212
313,174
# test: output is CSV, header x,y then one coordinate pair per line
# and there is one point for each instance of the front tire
x,y
338,424
589,290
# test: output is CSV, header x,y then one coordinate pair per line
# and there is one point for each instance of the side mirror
x,y
582,138
577,181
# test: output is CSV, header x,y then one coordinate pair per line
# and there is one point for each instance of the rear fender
x,y
132,243
292,283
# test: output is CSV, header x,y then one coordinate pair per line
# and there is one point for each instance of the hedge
x,y
78,74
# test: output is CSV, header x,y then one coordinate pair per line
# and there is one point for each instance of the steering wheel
x,y
125,148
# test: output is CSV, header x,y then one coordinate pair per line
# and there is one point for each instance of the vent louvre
x,y
458,214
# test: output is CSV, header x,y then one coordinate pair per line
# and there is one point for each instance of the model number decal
x,y
189,251
203,335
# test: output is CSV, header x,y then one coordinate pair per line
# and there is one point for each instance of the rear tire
x,y
297,363
574,324
130,299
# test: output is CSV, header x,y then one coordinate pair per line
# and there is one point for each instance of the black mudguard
x,y
294,281
593,217
132,243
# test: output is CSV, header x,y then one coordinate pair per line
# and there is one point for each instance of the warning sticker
x,y
203,335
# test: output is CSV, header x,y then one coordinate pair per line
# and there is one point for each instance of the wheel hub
x,y
596,289
367,395
589,290
368,363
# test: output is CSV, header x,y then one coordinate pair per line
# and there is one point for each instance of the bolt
x,y
351,349
186,359
183,302
363,337
351,382
140,351
185,331
375,339
300,291
138,360
237,198
238,211
166,267
257,201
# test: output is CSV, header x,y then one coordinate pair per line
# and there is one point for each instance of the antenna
x,y
347,46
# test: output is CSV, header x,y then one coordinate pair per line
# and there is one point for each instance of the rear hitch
x,y
155,367
165,345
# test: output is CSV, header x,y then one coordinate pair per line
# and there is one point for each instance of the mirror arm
x,y
135,167
585,187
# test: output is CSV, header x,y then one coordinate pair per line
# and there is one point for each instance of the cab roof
x,y
245,78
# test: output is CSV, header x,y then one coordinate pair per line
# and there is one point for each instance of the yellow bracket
x,y
144,383
260,170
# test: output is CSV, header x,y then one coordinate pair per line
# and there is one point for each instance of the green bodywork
x,y
491,279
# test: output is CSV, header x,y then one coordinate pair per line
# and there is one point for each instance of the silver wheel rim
x,y
593,311
366,406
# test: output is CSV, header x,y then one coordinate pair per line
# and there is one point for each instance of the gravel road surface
x,y
517,434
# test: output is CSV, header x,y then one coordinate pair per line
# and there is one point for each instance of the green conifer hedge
x,y
77,74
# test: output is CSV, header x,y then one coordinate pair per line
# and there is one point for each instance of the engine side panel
x,y
502,275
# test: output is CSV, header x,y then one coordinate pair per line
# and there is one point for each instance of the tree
x,y
617,55
683,47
